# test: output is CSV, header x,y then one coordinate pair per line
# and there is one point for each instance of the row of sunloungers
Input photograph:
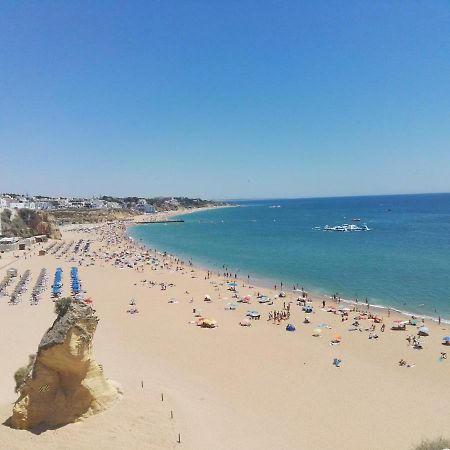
x,y
57,283
50,247
20,288
5,283
39,287
65,249
78,246
75,282
56,248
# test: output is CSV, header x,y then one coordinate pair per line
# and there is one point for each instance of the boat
x,y
356,219
346,228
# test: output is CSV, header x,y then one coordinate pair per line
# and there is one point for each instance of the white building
x,y
149,209
45,205
144,207
98,204
113,205
172,201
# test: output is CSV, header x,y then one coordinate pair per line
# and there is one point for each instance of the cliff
x,y
71,216
64,383
27,222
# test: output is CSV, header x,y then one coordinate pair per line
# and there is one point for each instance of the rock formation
x,y
27,222
64,383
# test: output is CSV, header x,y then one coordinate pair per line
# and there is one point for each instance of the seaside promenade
x,y
256,387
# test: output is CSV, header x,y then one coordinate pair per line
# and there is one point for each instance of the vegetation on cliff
x,y
82,215
164,203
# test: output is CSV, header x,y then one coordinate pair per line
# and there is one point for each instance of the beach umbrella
x,y
317,332
207,298
245,322
424,331
338,338
290,327
446,340
232,284
199,320
209,323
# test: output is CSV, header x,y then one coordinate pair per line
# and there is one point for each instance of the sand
x,y
257,387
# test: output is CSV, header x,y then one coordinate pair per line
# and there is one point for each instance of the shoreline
x,y
283,386
266,283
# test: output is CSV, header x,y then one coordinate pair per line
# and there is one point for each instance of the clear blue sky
x,y
225,99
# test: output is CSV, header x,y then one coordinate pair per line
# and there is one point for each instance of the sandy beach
x,y
228,387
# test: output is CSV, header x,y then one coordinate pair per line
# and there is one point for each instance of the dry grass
x,y
435,444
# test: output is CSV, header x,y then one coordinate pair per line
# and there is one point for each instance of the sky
x,y
224,99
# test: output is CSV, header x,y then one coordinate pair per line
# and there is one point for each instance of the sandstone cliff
x,y
27,222
64,384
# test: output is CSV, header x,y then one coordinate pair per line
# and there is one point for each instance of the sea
x,y
403,262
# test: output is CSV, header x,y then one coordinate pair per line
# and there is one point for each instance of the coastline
x,y
267,283
281,385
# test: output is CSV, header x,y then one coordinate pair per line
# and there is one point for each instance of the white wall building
x,y
172,201
98,204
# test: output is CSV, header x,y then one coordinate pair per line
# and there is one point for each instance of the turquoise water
x,y
403,262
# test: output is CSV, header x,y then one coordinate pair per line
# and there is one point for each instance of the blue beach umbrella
x,y
446,338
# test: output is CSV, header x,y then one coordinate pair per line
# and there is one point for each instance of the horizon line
x,y
328,196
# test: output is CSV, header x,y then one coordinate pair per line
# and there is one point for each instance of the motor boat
x,y
346,228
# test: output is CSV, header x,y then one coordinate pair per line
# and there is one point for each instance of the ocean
x,y
403,262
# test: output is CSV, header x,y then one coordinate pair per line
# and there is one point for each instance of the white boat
x,y
346,228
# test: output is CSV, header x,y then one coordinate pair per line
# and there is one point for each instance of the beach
x,y
256,387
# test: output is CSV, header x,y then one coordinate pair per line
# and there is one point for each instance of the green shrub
x,y
22,372
62,305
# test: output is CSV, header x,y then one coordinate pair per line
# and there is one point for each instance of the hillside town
x,y
137,204
25,216
16,201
